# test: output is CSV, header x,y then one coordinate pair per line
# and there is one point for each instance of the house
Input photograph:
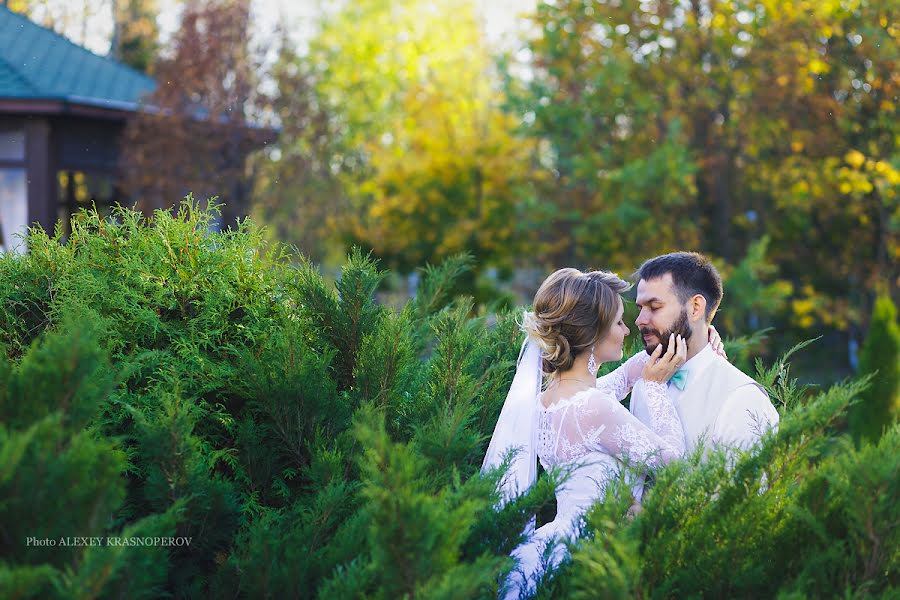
x,y
62,110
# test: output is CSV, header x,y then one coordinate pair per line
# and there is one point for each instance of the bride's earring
x,y
592,364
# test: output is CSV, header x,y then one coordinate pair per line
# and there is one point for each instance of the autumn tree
x,y
196,130
300,194
409,109
709,125
618,169
135,39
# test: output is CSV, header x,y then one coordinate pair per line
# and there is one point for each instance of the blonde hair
x,y
572,311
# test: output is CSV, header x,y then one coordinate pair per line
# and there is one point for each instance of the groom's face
x,y
662,313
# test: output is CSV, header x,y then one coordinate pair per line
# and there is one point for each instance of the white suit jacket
x,y
719,404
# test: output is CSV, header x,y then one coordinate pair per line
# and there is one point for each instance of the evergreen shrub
x,y
160,379
878,406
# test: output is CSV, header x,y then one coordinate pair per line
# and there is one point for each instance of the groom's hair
x,y
692,273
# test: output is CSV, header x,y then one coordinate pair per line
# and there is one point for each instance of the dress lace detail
x,y
545,438
593,421
665,420
620,381
592,433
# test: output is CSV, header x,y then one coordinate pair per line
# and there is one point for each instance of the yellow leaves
x,y
375,52
796,146
854,182
456,186
19,6
801,188
818,66
781,288
867,175
783,80
855,158
888,172
814,309
803,309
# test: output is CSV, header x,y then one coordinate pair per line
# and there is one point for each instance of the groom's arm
x,y
746,415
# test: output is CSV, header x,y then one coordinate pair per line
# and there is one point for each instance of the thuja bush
x,y
61,479
162,379
880,404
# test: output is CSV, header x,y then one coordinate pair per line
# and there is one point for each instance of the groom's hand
x,y
661,367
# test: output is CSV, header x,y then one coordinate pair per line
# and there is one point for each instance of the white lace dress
x,y
593,434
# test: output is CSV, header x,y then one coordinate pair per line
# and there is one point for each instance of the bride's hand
x,y
661,367
715,340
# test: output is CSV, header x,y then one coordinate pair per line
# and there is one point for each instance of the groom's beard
x,y
681,327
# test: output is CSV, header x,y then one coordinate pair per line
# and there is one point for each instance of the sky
x,y
500,19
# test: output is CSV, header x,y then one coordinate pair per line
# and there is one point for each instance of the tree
x,y
196,130
299,192
731,121
410,112
878,405
618,168
135,38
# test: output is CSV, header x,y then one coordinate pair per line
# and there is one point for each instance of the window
x,y
12,143
84,190
13,188
13,208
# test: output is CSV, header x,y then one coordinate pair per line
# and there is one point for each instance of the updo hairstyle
x,y
572,311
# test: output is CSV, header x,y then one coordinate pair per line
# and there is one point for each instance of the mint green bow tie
x,y
679,378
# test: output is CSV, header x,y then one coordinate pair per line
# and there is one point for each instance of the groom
x,y
718,404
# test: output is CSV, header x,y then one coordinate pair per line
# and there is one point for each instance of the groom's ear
x,y
697,308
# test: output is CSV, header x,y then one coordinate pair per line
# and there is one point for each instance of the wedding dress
x,y
592,435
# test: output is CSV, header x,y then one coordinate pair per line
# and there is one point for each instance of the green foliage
x,y
61,478
420,551
879,405
753,299
733,128
605,133
757,524
135,39
398,140
161,379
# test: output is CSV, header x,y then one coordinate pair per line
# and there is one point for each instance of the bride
x,y
557,409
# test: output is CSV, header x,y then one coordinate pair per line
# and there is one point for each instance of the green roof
x,y
37,63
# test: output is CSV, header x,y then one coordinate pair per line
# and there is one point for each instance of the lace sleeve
x,y
620,381
606,425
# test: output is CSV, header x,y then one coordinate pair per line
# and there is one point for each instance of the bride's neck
x,y
576,375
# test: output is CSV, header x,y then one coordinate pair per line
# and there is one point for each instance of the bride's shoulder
x,y
602,394
598,396
552,402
